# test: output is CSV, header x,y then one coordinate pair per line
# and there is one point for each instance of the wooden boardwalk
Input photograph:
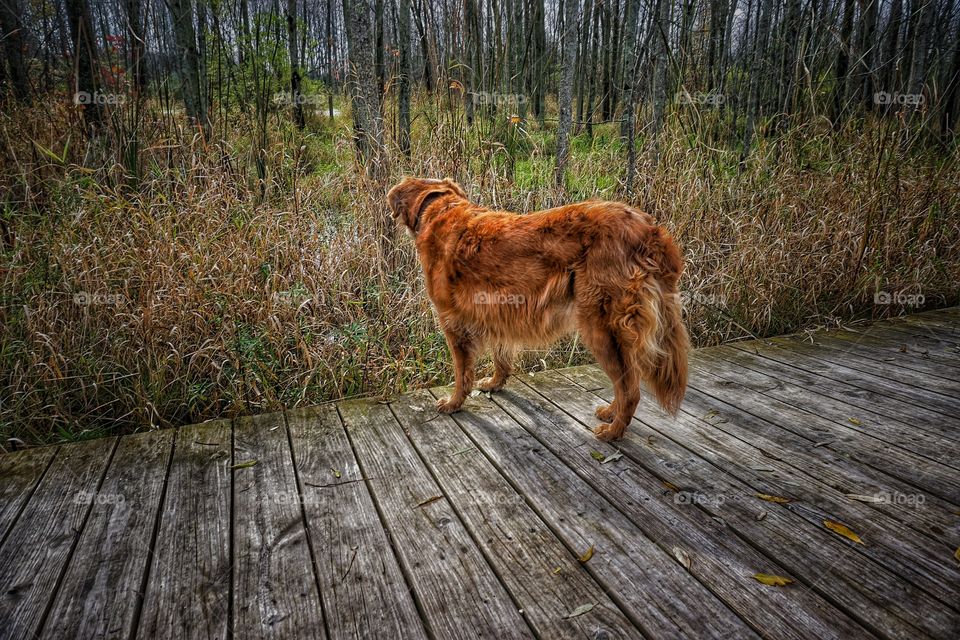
x,y
833,462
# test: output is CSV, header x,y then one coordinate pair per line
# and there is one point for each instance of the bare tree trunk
x,y
661,72
295,93
367,119
406,70
756,74
186,38
568,42
86,79
10,13
137,45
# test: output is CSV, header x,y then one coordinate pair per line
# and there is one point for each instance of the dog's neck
x,y
431,206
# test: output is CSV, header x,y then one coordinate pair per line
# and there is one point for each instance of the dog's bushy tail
x,y
653,320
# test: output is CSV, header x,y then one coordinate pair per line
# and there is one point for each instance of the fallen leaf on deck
x,y
771,580
245,465
843,530
777,499
956,554
596,455
859,498
854,421
557,570
336,474
429,500
612,457
585,558
671,486
579,611
682,556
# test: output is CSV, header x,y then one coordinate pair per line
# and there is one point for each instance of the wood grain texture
x,y
630,566
188,588
364,592
791,533
20,473
758,358
717,557
42,540
544,577
458,593
275,591
100,591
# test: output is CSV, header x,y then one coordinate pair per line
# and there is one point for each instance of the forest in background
x,y
193,221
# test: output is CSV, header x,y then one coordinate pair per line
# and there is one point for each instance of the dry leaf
x,y
671,486
854,421
956,554
557,570
596,455
336,474
682,556
587,555
245,465
771,580
769,498
843,530
579,611
612,457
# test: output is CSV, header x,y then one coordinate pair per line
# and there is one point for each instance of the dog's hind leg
x,y
619,365
503,364
463,348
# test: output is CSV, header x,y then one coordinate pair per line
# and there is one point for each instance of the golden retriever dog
x,y
500,281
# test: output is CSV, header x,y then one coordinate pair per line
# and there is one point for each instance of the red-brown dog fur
x,y
500,281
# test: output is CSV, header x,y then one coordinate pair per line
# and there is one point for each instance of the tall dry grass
x,y
192,291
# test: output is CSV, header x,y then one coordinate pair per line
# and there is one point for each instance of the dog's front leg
x,y
463,350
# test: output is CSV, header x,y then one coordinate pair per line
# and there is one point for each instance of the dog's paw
x,y
606,413
490,384
448,405
608,432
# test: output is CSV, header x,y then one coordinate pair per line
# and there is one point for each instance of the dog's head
x,y
410,197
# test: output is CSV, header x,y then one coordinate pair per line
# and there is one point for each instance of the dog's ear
x,y
408,198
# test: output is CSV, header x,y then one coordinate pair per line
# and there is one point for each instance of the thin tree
x,y
185,36
296,95
368,131
404,81
568,44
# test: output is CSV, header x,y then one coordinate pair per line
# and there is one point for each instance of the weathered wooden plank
x,y
879,599
20,473
188,582
717,557
100,591
749,355
454,585
652,587
364,592
775,432
854,356
850,358
863,429
543,576
275,592
42,540
919,342
794,356
883,350
935,517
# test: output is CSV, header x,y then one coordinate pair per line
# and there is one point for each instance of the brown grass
x,y
206,300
